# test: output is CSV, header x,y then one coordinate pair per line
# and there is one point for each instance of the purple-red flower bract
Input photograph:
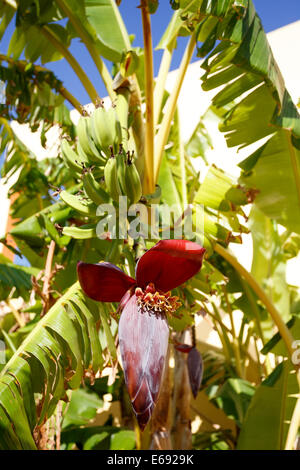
x,y
195,368
194,364
145,303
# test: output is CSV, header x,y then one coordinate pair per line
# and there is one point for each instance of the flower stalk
x,y
161,80
165,127
149,89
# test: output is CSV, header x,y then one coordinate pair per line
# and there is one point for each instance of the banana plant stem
x,y
164,130
47,277
149,88
183,172
236,347
294,427
224,334
79,28
72,100
254,309
89,87
16,314
283,329
161,80
285,333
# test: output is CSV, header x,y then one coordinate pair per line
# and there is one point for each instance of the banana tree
x,y
119,218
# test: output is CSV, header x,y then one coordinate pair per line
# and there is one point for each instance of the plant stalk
x,y
165,127
293,427
47,277
161,80
89,87
84,36
183,172
235,342
282,328
16,314
149,88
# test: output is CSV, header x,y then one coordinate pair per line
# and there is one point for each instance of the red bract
x,y
144,302
195,368
185,348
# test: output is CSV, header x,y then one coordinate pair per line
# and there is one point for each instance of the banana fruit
x,y
93,189
86,145
71,158
133,186
111,178
81,233
87,208
121,169
106,129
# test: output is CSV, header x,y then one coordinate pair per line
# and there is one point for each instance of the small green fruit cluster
x,y
122,178
105,169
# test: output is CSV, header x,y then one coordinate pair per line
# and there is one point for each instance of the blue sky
x,y
273,13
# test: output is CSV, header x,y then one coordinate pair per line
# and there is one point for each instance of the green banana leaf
x,y
244,64
82,408
57,351
104,17
267,419
14,276
269,264
274,172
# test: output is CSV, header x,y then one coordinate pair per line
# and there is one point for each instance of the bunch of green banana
x,y
86,146
111,178
122,178
128,177
106,130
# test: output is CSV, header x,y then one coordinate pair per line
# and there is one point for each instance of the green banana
x,y
84,207
132,183
121,168
106,129
111,178
71,158
81,233
86,145
61,216
93,189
